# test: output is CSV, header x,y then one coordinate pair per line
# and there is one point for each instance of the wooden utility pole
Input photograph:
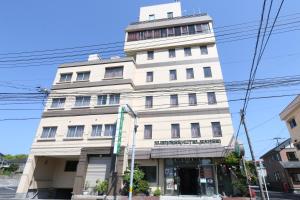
x,y
252,155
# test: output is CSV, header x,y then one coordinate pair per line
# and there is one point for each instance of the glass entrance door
x,y
206,180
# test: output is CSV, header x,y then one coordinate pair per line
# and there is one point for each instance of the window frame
x,y
60,104
151,17
116,100
292,123
82,102
198,134
148,136
204,50
149,74
172,77
170,15
172,53
209,102
100,101
94,132
75,134
172,98
215,125
192,95
190,73
85,74
175,127
147,105
49,132
150,55
65,74
112,75
187,51
108,128
207,72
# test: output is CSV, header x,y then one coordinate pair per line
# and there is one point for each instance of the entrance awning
x,y
203,151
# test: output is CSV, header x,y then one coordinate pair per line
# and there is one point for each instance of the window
x,y
187,51
171,32
195,128
113,72
65,77
114,99
277,176
150,173
96,130
170,15
82,101
211,98
172,53
292,123
174,100
216,128
157,33
205,28
296,178
149,102
291,156
149,34
110,129
207,72
49,132
58,102
192,99
150,55
71,166
175,131
152,17
189,73
149,77
191,29
164,32
297,145
83,76
148,132
276,157
184,30
75,131
203,50
177,31
173,75
102,99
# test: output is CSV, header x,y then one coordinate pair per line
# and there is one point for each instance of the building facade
x,y
283,167
291,116
172,79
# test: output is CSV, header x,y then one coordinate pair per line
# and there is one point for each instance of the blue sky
x,y
37,25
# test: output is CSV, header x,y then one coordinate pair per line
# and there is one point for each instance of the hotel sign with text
x,y
187,142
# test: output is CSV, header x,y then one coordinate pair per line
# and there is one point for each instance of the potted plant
x,y
101,187
157,192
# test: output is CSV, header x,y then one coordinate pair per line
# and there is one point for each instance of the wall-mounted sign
x,y
118,134
187,142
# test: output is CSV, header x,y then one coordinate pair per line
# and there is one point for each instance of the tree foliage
x,y
139,184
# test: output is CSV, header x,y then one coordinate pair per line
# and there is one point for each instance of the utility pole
x,y
277,140
252,155
131,112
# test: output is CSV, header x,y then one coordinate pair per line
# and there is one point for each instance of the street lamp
x,y
132,113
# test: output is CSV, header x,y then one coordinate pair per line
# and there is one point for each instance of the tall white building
x,y
172,79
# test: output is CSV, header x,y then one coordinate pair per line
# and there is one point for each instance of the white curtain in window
x,y
96,130
75,131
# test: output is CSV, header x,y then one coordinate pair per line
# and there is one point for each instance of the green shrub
x,y
102,186
139,184
157,192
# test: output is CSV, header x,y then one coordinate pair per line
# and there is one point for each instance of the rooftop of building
x,y
278,148
97,62
165,22
290,107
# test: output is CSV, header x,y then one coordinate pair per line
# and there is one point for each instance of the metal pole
x,y
132,158
252,155
263,178
246,173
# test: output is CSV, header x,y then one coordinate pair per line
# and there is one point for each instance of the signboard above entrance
x,y
187,142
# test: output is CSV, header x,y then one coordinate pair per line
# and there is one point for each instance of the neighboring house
x,y
173,79
20,162
3,163
283,167
291,116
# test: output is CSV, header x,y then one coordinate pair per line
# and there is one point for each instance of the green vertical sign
x,y
118,134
